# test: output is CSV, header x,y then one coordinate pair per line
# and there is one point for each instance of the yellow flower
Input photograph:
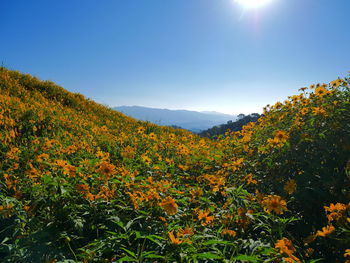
x,y
128,152
281,136
347,253
290,187
336,83
140,130
102,155
320,91
183,167
152,136
146,159
274,203
169,205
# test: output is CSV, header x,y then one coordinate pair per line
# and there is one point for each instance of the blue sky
x,y
178,54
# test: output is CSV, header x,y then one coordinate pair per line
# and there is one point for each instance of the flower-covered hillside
x,y
80,182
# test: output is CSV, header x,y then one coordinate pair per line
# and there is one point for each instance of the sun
x,y
253,3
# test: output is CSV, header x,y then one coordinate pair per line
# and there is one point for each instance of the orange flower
x,y
204,217
162,218
169,205
13,154
274,203
228,232
69,170
185,232
285,246
173,239
6,210
249,179
303,111
42,157
327,230
146,159
347,253
335,211
83,188
61,163
319,111
102,155
178,239
106,168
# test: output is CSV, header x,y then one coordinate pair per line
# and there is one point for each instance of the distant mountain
x,y
232,125
191,120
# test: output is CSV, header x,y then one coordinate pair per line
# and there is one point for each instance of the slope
x,y
83,183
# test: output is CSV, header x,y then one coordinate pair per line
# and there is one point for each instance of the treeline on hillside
x,y
230,125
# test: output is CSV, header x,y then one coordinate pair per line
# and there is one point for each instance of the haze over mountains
x,y
191,120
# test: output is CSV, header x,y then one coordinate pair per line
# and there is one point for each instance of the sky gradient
x,y
178,54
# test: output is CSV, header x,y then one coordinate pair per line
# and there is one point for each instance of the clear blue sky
x,y
178,54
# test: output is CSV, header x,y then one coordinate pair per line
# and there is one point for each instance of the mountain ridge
x,y
195,121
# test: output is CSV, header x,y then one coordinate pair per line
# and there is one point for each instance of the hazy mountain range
x,y
191,120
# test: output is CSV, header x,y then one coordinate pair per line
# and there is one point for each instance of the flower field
x,y
80,182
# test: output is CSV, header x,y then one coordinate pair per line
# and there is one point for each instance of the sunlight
x,y
253,3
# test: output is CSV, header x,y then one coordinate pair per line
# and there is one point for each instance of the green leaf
x,y
208,255
315,260
211,242
129,252
246,258
153,239
127,259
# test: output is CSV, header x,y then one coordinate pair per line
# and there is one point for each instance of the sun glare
x,y
253,3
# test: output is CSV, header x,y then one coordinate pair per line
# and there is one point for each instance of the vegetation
x,y
80,182
237,125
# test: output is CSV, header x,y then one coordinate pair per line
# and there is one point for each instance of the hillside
x,y
80,182
190,120
230,125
